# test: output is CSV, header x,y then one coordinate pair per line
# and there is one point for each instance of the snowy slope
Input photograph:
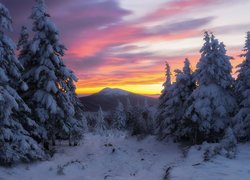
x,y
219,168
132,159
145,159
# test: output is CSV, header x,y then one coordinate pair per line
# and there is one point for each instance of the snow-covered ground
x,y
219,168
113,157
123,157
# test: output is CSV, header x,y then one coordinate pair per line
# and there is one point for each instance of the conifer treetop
x,y
186,68
242,125
5,18
214,65
247,47
39,10
168,75
24,37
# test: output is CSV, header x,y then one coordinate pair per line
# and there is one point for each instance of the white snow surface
x,y
218,168
133,159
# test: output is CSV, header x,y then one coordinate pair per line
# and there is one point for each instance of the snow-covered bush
x,y
228,143
226,147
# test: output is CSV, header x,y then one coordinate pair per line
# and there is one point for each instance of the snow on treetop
x,y
113,91
5,19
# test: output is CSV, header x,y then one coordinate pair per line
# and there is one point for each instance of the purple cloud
x,y
71,17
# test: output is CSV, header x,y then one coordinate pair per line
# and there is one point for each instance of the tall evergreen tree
x,y
242,119
176,104
52,91
212,102
148,114
38,132
101,125
166,86
130,116
162,101
15,141
138,125
119,117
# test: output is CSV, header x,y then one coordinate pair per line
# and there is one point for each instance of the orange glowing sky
x,y
125,43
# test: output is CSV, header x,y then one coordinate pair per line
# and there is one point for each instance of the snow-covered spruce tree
x,y
38,132
15,141
133,118
23,39
148,113
177,103
242,118
101,126
52,91
129,114
139,122
212,103
162,100
119,117
91,120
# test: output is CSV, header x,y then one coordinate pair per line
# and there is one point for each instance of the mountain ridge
x,y
108,99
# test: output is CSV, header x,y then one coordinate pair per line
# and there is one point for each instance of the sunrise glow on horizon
x,y
125,43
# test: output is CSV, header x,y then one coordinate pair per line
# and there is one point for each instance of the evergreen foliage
x,y
119,117
51,95
162,101
212,104
15,126
101,126
177,103
242,118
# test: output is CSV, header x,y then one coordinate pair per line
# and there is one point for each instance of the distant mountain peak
x,y
113,92
108,99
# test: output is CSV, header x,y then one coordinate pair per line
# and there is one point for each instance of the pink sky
x,y
124,43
